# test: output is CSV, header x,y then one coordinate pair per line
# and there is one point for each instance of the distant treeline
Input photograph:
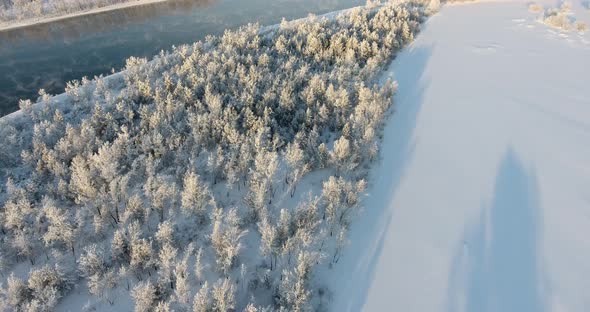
x,y
17,10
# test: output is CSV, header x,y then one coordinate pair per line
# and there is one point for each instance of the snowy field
x,y
478,201
481,199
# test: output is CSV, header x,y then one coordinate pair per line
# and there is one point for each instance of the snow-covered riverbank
x,y
480,202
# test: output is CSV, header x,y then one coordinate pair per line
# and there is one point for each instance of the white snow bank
x,y
480,202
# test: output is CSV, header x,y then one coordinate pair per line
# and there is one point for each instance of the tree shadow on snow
x,y
355,270
499,256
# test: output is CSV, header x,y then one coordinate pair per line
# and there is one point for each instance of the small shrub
x,y
558,20
535,8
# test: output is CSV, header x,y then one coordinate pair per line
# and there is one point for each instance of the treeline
x,y
17,10
189,186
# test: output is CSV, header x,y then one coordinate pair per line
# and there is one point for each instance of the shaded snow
x,y
480,202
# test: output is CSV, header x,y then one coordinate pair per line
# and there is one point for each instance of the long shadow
x,y
356,268
501,252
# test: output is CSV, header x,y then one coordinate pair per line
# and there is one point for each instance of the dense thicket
x,y
189,186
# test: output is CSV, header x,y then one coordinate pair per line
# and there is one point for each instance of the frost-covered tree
x,y
202,300
195,196
165,233
118,192
161,193
163,306
340,198
92,261
101,285
223,295
16,294
182,289
199,265
216,162
142,257
341,154
47,285
134,209
166,260
25,244
294,292
226,239
269,243
295,157
61,229
82,183
250,308
261,182
120,247
144,295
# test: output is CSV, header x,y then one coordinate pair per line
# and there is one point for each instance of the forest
x,y
218,176
18,10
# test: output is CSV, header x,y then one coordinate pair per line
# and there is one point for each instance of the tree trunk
x,y
117,213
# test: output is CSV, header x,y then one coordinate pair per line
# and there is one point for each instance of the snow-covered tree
x,y
120,248
269,243
298,167
82,183
182,289
223,295
195,196
199,265
341,154
102,285
141,255
202,300
165,233
61,228
92,261
167,257
144,295
47,284
161,193
226,239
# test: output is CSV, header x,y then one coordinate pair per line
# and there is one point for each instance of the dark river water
x,y
47,56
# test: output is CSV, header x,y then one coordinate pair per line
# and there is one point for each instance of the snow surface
x,y
481,199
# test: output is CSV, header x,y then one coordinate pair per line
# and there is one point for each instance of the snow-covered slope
x,y
482,198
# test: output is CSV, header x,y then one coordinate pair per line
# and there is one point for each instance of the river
x,y
46,56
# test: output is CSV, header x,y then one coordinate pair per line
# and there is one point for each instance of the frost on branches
x,y
216,177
